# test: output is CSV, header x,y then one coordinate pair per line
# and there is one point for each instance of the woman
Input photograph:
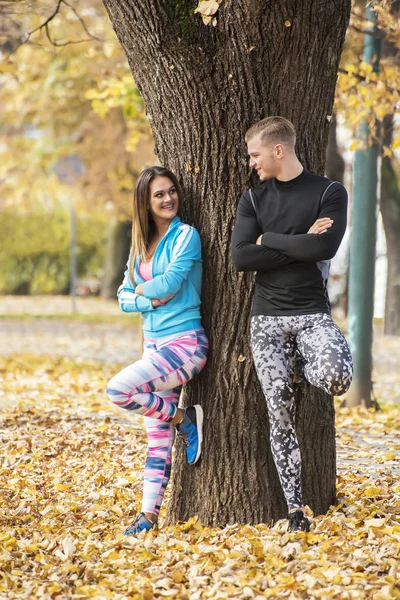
x,y
163,282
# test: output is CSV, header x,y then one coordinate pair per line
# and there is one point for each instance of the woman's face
x,y
164,201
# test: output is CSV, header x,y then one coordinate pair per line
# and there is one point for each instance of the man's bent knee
x,y
337,383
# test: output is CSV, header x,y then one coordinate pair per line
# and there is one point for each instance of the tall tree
x,y
205,78
363,94
390,210
390,192
335,164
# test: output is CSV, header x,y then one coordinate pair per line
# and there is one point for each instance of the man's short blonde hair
x,y
273,130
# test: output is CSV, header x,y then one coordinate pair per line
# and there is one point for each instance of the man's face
x,y
263,158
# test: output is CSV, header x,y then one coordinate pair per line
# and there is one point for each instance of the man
x,y
287,230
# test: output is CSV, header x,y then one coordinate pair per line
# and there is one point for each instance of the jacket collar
x,y
173,225
175,221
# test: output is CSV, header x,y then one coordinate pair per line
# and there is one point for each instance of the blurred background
x,y
74,137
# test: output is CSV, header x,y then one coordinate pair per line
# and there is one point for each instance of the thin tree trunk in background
x,y
335,167
390,210
203,87
334,160
390,207
117,251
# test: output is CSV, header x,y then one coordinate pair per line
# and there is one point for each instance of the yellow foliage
x,y
362,93
71,475
61,101
396,143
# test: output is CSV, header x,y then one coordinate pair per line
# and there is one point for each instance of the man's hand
x,y
321,225
259,240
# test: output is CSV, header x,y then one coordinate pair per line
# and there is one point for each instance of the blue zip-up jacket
x,y
177,269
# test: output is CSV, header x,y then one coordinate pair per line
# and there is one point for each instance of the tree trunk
x,y
117,251
334,159
390,210
335,167
390,206
203,87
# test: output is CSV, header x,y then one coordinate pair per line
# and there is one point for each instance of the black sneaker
x,y
191,432
298,521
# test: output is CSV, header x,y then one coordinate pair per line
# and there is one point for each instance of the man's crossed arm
x,y
274,250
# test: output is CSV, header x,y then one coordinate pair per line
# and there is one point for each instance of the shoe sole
x,y
199,425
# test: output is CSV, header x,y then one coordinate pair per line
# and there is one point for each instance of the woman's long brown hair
x,y
143,226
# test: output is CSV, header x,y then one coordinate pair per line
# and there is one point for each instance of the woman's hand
x,y
139,289
156,302
168,298
321,225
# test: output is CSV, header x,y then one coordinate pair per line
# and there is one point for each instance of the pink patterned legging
x,y
151,387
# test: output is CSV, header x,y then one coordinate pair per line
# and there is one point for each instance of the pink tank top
x,y
146,270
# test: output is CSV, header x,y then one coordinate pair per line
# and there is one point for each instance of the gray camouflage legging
x,y
327,364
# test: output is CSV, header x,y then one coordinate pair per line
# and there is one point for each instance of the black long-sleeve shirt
x,y
292,266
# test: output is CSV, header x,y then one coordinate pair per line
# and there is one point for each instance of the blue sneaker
x,y
191,431
141,523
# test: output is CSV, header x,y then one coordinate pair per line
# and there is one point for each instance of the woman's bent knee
x,y
113,390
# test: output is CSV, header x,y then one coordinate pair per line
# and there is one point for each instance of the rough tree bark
x,y
203,87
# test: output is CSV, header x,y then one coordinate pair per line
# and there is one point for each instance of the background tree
x,y
66,89
390,192
362,94
204,79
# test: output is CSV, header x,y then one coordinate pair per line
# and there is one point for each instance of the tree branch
x,y
82,22
45,26
379,34
364,79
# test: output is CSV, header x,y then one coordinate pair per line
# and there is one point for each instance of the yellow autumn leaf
x,y
70,544
102,427
389,455
207,7
91,94
7,67
370,492
350,68
374,522
100,108
60,487
386,152
381,112
396,143
111,554
178,577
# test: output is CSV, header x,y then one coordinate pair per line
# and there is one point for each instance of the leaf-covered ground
x,y
70,480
